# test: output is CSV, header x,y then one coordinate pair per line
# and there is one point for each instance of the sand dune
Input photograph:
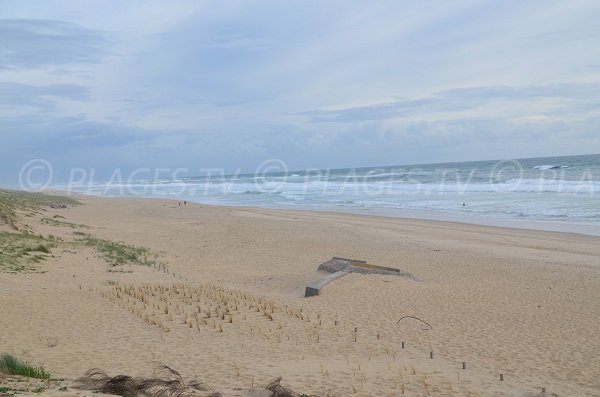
x,y
228,310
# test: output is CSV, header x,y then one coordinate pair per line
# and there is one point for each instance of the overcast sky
x,y
203,84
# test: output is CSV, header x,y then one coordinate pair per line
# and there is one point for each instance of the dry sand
x,y
515,302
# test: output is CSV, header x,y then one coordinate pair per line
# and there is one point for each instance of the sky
x,y
105,85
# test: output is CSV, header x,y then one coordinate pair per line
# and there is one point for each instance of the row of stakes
x,y
464,363
464,366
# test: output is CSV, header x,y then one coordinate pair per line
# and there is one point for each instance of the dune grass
x,y
12,202
168,383
13,366
8,215
118,253
27,200
15,203
21,252
58,223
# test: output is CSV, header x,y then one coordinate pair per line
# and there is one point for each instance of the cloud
x,y
229,85
71,134
460,99
16,95
34,43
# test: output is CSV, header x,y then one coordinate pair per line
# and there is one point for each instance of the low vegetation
x,y
12,203
119,253
13,366
278,390
20,252
20,249
56,222
168,383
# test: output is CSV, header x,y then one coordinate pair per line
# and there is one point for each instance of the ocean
x,y
549,189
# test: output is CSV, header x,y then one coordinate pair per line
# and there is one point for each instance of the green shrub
x,y
14,366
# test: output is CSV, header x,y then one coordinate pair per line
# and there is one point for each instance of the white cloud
x,y
226,84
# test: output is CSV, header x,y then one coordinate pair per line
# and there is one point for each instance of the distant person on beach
x,y
185,203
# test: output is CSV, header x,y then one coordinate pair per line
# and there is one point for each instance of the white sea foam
x,y
296,189
540,189
549,167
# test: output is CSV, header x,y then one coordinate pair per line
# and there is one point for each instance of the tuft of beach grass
x,y
13,366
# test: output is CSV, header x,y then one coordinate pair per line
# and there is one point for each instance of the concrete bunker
x,y
339,267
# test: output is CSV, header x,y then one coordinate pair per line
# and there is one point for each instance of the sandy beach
x,y
223,302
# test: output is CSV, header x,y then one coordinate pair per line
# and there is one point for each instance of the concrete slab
x,y
339,267
314,288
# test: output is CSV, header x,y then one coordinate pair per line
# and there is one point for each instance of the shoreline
x,y
585,229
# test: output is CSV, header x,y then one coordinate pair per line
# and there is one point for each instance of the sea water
x,y
551,189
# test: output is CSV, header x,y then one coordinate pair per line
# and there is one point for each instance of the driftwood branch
x,y
417,318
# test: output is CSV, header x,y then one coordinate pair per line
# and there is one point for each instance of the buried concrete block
x,y
339,267
315,287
